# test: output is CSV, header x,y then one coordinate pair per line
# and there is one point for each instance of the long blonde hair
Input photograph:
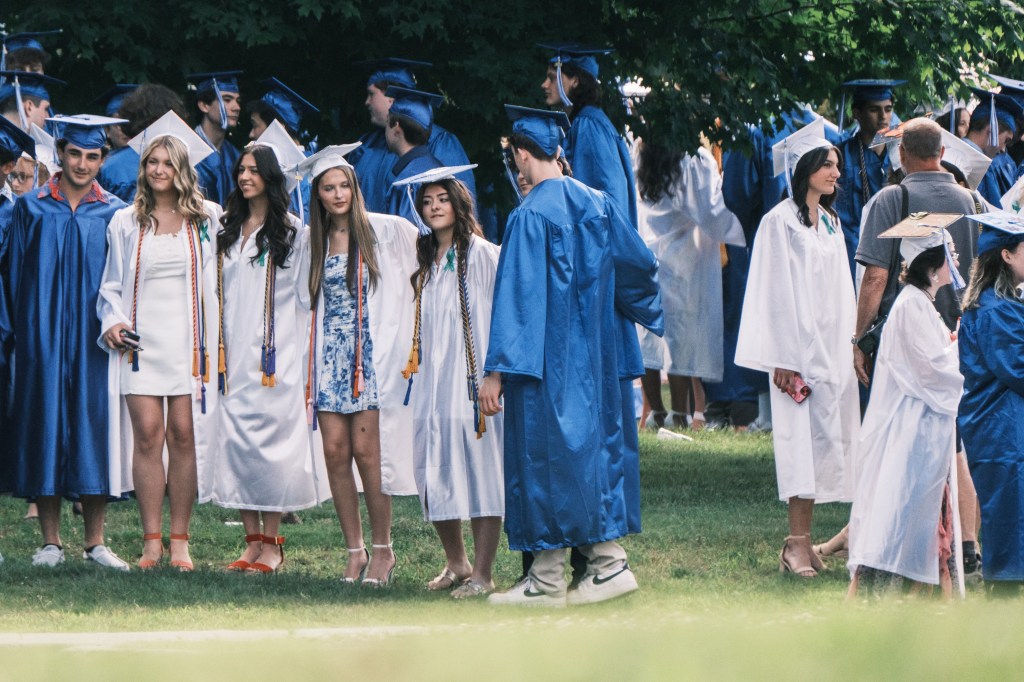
x,y
190,199
991,271
360,231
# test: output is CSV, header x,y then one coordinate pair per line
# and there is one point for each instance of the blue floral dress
x,y
339,344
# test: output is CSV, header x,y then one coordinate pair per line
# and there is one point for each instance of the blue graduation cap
x,y
85,131
112,98
545,127
867,90
16,140
22,41
999,230
216,82
996,108
416,104
17,84
289,105
393,70
1010,87
577,54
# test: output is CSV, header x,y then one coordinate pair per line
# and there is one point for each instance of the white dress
x,y
457,475
907,451
265,459
685,230
799,313
163,317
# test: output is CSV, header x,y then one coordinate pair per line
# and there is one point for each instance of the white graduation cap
x,y
786,152
426,177
329,157
288,154
972,163
922,231
46,148
1012,201
170,124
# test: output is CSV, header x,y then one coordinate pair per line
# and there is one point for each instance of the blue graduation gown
x,y
998,179
56,436
215,171
992,426
849,201
120,174
396,202
373,162
572,276
600,159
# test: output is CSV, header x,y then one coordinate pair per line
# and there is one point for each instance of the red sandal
x,y
241,564
258,567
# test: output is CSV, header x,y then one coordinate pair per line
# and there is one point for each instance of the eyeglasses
x,y
19,177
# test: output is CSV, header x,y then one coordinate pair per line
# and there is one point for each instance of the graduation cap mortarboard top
x,y
425,178
1010,87
393,70
583,56
86,131
329,157
999,230
171,125
972,163
923,231
545,127
787,151
112,98
866,90
288,154
20,41
996,108
289,105
216,82
16,140
17,84
416,104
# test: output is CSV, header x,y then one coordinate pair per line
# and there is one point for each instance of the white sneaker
x,y
49,556
523,594
597,588
104,557
1,558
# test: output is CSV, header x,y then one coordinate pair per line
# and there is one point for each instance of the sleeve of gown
x,y
701,197
519,310
771,312
637,294
924,366
302,264
108,305
10,255
596,162
1001,343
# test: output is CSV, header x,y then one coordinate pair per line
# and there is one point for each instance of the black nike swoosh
x,y
528,593
598,580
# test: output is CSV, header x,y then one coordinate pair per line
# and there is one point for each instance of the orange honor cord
x,y
222,365
413,366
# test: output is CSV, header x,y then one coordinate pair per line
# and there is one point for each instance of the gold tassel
x,y
266,380
222,364
271,381
413,366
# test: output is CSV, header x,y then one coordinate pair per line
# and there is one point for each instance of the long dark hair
x,y
277,234
587,91
657,171
465,227
807,166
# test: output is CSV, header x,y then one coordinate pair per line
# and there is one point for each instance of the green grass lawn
x,y
712,603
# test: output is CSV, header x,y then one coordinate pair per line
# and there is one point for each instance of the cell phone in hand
x,y
131,338
799,390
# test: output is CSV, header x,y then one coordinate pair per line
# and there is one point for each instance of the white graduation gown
x,y
457,475
390,307
685,229
907,451
114,306
265,459
799,313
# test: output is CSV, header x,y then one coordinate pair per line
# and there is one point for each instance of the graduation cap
x,y
216,82
393,70
972,163
867,90
787,151
996,108
999,230
1010,87
545,127
16,140
416,104
289,105
288,154
171,125
922,231
85,131
17,84
425,178
583,56
112,98
46,148
22,41
327,158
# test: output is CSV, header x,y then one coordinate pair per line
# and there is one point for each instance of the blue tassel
x,y
315,413
271,359
408,392
202,399
220,382
202,360
135,361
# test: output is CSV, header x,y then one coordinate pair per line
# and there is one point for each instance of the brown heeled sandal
x,y
149,564
258,567
182,566
242,565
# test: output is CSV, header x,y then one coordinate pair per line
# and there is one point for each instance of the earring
x,y
934,277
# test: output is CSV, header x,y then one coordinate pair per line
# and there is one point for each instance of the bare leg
x,y
797,550
251,523
181,471
334,429
49,519
147,415
679,392
486,533
651,384
94,513
450,533
699,403
970,517
271,555
365,434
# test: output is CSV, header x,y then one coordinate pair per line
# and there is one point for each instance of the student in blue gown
x,y
62,431
25,97
994,125
25,52
373,160
409,122
594,149
573,275
219,103
992,408
13,142
110,101
1015,149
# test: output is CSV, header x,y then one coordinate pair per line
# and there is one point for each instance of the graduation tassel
x,y
202,399
952,114
268,355
204,365
222,370
842,112
21,107
133,355
413,366
993,123
558,79
222,364
408,391
220,103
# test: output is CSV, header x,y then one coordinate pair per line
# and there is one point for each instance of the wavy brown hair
x,y
190,199
465,227
361,236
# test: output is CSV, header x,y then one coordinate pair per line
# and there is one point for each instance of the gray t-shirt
x,y
934,192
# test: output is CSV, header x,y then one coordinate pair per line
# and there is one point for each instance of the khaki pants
x,y
548,570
